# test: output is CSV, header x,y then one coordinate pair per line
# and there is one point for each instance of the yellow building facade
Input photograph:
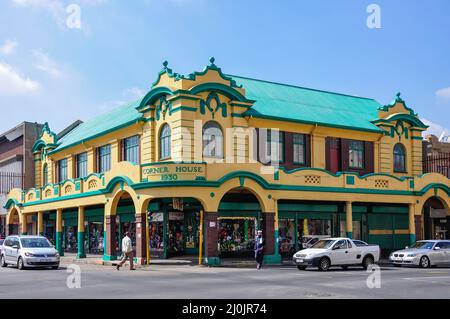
x,y
244,154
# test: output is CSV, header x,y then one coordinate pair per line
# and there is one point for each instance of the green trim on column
x,y
272,259
104,244
23,233
109,258
212,261
349,234
412,238
80,245
59,237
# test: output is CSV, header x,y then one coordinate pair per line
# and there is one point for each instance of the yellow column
x,y
59,232
23,224
40,230
349,219
80,237
412,225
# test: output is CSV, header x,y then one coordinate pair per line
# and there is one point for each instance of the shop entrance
x,y
174,227
239,219
125,222
436,222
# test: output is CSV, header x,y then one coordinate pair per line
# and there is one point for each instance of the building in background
x,y
16,161
436,156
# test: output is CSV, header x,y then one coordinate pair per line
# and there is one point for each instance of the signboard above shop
x,y
171,172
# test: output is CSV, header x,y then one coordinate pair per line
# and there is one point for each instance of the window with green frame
x,y
276,144
299,151
356,154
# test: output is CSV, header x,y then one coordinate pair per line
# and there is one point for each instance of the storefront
x,y
298,222
94,230
174,232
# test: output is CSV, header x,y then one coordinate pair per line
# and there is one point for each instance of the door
x,y
353,253
439,255
446,255
339,254
14,251
7,249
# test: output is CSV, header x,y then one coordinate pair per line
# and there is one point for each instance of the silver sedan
x,y
424,253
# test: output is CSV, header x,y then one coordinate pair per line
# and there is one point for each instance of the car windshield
x,y
423,245
35,243
323,244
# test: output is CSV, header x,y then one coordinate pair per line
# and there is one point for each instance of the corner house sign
x,y
173,172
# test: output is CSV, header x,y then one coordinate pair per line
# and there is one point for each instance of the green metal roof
x,y
115,119
293,103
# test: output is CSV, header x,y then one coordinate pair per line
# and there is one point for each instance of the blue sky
x,y
49,72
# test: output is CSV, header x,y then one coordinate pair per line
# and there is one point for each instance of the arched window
x,y
45,175
164,142
399,158
212,140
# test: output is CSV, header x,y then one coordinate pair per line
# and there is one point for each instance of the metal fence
x,y
437,164
9,181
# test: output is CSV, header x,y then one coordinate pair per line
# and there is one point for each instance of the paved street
x,y
202,282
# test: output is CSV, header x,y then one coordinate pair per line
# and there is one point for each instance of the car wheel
x,y
20,264
367,261
3,262
424,262
301,267
324,264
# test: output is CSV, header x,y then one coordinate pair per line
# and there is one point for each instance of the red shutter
x,y
308,150
328,154
288,151
368,158
344,154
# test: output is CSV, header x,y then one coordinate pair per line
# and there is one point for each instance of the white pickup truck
x,y
342,252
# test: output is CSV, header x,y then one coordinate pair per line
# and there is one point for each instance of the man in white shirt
x,y
127,250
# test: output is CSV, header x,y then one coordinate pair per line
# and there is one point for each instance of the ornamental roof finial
x,y
212,60
165,64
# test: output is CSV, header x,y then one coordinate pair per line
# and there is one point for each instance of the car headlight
x,y
56,254
29,254
411,255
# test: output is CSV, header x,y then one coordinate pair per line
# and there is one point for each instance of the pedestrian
x,y
127,250
259,249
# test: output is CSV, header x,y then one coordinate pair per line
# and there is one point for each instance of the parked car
x,y
29,251
309,240
343,252
424,253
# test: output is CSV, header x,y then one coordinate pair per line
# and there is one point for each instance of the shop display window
x,y
175,230
94,242
286,233
236,236
156,234
70,239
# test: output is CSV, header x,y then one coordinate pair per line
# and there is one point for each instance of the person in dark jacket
x,y
259,249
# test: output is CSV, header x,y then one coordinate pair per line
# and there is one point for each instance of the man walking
x,y
259,250
127,250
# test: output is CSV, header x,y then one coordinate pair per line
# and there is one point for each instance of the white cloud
x,y
443,93
45,64
11,82
134,93
57,8
8,47
435,129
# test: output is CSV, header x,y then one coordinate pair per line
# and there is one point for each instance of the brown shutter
x,y
97,160
288,150
139,149
57,172
308,150
344,156
75,168
327,153
368,158
122,150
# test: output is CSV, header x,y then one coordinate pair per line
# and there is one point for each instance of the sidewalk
x,y
98,260
185,260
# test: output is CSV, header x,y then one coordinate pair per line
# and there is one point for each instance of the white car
x,y
424,253
337,252
29,251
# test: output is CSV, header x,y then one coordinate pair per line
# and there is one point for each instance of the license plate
x,y
45,260
299,260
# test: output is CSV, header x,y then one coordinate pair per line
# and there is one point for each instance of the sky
x,y
63,60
